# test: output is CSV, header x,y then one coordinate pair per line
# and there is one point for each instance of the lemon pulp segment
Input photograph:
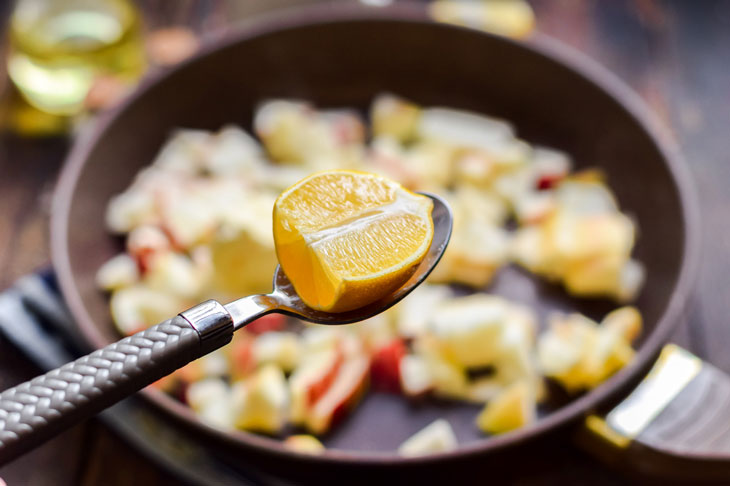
x,y
346,239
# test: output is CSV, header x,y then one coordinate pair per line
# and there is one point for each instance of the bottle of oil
x,y
58,48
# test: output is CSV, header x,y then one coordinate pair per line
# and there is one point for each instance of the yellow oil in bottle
x,y
58,48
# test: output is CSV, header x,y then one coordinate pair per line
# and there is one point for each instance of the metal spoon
x,y
35,411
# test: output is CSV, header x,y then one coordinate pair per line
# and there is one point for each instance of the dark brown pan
x,y
342,57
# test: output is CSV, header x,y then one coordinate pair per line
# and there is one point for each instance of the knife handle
x,y
36,410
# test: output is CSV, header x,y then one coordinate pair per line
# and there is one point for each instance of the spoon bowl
x,y
284,299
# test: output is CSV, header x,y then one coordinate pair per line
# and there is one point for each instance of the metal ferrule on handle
x,y
35,411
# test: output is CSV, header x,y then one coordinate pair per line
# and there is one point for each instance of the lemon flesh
x,y
346,239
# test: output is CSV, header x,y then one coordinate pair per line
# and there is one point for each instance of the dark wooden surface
x,y
673,53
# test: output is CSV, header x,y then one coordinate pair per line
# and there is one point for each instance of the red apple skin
x,y
242,355
318,388
385,366
358,369
548,181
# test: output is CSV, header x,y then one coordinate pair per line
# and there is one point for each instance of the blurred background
x,y
64,62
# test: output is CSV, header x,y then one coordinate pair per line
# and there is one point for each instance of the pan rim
x,y
542,45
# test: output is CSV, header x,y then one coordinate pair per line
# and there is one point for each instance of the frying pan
x,y
342,56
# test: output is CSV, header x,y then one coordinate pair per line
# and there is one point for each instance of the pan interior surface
x,y
345,63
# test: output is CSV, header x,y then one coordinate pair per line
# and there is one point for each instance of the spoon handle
x,y
36,410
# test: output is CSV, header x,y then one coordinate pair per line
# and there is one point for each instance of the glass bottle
x,y
59,47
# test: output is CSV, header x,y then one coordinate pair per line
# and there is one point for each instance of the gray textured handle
x,y
36,410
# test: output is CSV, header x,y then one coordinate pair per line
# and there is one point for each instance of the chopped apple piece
x,y
176,273
476,252
631,278
385,366
211,400
146,242
449,379
184,152
469,328
241,355
550,166
119,271
187,215
284,128
280,348
243,254
534,207
510,410
586,194
579,354
482,390
416,378
304,443
515,360
311,380
130,209
514,18
376,332
626,321
436,437
293,132
317,338
205,391
463,128
430,163
233,151
261,402
343,394
139,306
475,168
395,117
412,314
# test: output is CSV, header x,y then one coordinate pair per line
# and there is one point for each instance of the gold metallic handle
x,y
674,425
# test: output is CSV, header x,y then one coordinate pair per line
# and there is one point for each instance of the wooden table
x,y
675,54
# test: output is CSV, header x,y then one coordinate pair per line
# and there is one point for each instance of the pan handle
x,y
36,410
674,425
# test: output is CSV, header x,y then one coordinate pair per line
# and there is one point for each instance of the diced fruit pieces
x,y
120,271
432,439
394,117
243,255
139,306
475,253
311,380
579,354
196,228
280,348
130,209
416,378
448,379
211,400
513,18
468,328
626,321
175,273
343,394
304,443
261,402
385,366
510,410
241,352
412,314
